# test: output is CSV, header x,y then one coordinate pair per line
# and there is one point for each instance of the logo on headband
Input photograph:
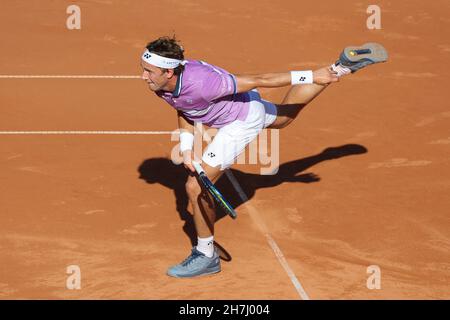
x,y
147,55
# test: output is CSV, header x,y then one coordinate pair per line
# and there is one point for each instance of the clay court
x,y
364,173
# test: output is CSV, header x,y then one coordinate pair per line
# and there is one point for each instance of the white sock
x,y
340,69
206,246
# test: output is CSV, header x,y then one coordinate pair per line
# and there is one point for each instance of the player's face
x,y
155,77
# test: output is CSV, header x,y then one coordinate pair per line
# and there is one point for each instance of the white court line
x,y
69,76
86,132
262,226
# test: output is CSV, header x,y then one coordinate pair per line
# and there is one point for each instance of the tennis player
x,y
207,94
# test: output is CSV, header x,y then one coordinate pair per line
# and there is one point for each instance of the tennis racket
x,y
217,196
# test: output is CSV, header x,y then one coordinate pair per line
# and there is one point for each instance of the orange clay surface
x,y
115,205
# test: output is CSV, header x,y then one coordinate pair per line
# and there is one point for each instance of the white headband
x,y
159,61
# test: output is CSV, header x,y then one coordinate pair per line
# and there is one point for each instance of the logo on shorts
x,y
211,155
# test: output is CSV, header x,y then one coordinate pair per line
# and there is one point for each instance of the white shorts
x,y
231,140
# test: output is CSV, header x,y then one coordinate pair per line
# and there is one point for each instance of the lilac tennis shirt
x,y
207,94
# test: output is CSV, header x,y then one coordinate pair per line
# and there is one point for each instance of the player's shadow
x,y
164,172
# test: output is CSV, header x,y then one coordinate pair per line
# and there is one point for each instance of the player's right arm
x,y
246,83
220,84
186,128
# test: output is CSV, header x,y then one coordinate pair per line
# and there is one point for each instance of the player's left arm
x,y
246,83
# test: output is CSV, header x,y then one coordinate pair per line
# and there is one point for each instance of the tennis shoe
x,y
196,264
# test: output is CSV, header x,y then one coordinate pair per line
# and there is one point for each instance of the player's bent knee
x,y
193,188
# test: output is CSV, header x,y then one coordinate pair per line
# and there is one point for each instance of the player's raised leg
x,y
352,59
296,99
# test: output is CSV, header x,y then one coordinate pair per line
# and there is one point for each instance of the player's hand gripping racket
x,y
217,196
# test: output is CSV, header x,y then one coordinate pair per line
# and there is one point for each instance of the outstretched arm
x,y
274,80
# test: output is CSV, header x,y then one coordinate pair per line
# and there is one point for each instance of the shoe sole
x,y
213,271
371,51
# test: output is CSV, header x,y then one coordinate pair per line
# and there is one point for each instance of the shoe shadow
x,y
174,177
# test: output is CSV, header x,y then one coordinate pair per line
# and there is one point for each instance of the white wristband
x,y
301,77
186,141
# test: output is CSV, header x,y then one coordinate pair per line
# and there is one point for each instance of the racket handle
x,y
198,167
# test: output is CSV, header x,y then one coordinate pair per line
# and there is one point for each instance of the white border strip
x,y
87,132
48,76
